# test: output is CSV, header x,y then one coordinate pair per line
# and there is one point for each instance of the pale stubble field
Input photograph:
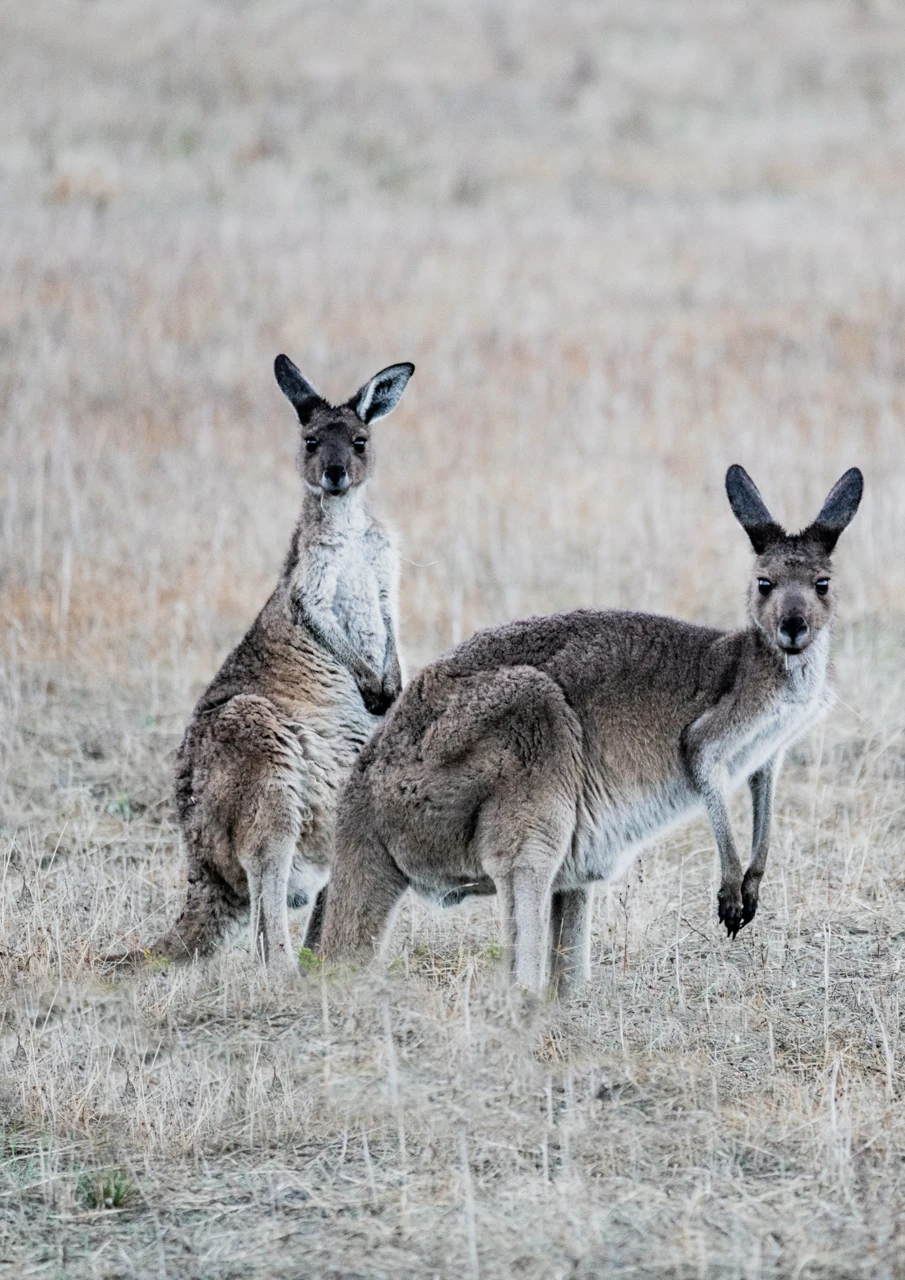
x,y
623,250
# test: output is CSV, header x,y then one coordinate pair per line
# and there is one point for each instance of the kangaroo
x,y
537,757
273,736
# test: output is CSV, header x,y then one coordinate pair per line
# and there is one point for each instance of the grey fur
x,y
537,757
275,733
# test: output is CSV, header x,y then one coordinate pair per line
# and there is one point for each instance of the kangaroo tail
x,y
365,886
210,908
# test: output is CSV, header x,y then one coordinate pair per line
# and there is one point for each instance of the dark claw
x,y
732,912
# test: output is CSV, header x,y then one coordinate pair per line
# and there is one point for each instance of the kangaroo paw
x,y
732,912
750,894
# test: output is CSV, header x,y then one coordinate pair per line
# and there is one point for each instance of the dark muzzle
x,y
793,632
334,479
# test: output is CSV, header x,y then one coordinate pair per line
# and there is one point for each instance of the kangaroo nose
x,y
335,475
793,630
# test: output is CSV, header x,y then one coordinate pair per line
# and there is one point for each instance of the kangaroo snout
x,y
335,478
794,632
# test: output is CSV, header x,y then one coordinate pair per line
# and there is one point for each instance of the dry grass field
x,y
625,245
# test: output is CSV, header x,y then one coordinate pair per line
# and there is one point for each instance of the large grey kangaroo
x,y
537,757
275,733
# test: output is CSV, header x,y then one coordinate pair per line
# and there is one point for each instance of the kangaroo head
x,y
335,454
791,597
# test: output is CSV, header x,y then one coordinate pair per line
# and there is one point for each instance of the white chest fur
x,y
346,572
804,697
356,602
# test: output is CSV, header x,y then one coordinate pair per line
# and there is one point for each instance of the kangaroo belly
x,y
609,834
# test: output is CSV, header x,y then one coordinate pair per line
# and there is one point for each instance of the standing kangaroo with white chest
x,y
274,735
536,758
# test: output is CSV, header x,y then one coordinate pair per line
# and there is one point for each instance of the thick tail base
x,y
209,911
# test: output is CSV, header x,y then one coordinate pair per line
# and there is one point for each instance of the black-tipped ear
x,y
838,511
750,509
296,388
380,396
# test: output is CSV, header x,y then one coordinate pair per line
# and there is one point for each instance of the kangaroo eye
x,y
311,444
822,586
359,445
764,586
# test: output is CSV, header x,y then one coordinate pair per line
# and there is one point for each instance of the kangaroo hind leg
x,y
266,854
526,829
524,870
267,869
570,938
364,890
266,865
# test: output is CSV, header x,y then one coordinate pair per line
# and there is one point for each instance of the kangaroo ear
x,y
298,389
838,510
750,509
380,396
